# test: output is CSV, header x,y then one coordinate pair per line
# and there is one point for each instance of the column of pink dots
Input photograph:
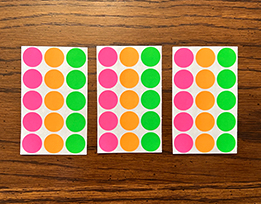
x,y
108,99
32,100
183,100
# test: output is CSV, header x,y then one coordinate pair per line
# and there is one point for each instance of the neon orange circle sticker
x,y
129,120
129,99
54,79
205,121
205,79
129,142
53,143
54,57
53,122
205,57
204,143
129,78
54,100
205,100
129,56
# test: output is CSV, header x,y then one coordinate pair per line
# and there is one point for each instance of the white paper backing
x,y
194,68
43,68
118,67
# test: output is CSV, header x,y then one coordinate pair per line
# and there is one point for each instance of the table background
x,y
131,178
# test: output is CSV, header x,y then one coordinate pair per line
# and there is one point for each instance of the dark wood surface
x,y
131,178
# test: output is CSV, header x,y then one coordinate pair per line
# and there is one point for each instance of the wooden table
x,y
131,178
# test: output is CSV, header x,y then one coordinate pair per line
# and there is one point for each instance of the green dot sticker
x,y
226,79
226,100
75,122
76,79
226,121
150,56
150,120
75,143
226,142
75,101
150,78
76,58
150,99
226,57
150,141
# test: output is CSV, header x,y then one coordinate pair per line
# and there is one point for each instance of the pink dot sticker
x,y
183,122
183,57
32,78
108,99
183,100
183,79
32,143
32,57
183,143
108,142
108,78
108,121
32,100
107,56
32,122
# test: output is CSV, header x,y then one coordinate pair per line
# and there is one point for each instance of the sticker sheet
x,y
53,101
129,99
204,95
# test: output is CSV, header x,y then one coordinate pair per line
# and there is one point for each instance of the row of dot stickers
x,y
54,101
129,99
204,100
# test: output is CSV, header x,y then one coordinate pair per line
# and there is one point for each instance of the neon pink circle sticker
x,y
183,79
32,100
108,142
32,57
108,99
32,122
183,57
183,100
108,120
108,78
32,143
107,56
32,78
183,122
183,143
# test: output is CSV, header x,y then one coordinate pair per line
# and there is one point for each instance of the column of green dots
x,y
226,100
150,99
75,100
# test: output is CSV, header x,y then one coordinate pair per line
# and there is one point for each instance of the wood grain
x,y
131,178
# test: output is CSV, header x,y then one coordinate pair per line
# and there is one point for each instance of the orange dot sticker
x,y
54,100
53,143
205,57
53,122
54,79
54,57
129,142
205,121
129,99
205,79
129,120
204,143
129,56
205,100
129,78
